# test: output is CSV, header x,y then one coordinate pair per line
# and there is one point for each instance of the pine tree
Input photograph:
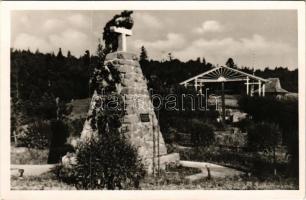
x,y
143,54
230,63
198,60
170,56
60,54
68,54
204,62
86,58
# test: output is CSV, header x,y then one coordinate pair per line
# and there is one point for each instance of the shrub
x,y
75,126
264,137
34,135
244,124
283,112
108,162
171,136
26,156
202,134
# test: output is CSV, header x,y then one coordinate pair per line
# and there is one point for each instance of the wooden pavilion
x,y
223,74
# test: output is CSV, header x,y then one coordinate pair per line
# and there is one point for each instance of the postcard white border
x,y
7,7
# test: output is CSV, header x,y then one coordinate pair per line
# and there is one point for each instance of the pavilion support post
x,y
263,89
252,90
196,84
216,103
247,85
223,102
185,84
259,88
201,88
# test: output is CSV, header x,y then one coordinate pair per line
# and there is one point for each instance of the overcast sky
x,y
252,38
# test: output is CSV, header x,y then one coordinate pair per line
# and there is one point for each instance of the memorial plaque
x,y
144,117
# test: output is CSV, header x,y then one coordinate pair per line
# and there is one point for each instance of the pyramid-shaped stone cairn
x,y
139,124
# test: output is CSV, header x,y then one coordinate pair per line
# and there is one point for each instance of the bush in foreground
x,y
105,163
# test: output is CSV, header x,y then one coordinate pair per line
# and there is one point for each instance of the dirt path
x,y
31,170
216,171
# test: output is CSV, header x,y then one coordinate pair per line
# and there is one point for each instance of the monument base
x,y
139,124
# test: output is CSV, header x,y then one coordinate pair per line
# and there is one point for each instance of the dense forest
x,y
37,79
34,74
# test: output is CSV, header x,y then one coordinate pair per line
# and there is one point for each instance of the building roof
x,y
274,86
222,74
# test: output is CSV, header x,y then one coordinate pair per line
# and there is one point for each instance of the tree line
x,y
37,79
173,71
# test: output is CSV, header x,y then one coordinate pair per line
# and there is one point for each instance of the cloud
x,y
26,41
159,34
71,39
147,20
246,50
172,41
159,49
209,26
75,21
53,25
78,20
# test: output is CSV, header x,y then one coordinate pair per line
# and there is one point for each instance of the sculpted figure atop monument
x,y
116,30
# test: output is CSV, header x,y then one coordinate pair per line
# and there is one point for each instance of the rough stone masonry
x,y
139,125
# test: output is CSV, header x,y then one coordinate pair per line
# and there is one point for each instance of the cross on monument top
x,y
123,33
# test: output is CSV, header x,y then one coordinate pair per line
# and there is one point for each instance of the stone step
x,y
169,158
164,161
199,165
196,177
216,171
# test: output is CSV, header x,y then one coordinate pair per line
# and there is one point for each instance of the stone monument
x,y
139,124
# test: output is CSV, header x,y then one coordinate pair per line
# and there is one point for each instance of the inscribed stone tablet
x,y
144,117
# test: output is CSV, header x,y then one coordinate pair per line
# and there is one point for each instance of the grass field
x,y
49,182
174,180
46,181
23,155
